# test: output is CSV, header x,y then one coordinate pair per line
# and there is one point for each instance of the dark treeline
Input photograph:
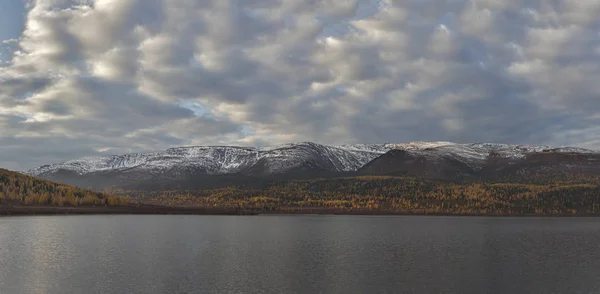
x,y
396,194
19,189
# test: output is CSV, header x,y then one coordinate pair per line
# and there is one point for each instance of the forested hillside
x,y
563,194
397,195
19,189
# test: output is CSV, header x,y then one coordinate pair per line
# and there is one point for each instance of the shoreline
x,y
167,210
129,210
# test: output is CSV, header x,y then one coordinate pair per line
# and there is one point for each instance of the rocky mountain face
x,y
196,167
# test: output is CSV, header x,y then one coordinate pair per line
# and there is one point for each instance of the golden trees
x,y
397,194
19,188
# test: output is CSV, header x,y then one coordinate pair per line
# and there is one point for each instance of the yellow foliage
x,y
396,194
32,191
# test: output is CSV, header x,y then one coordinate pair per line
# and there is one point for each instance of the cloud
x,y
96,77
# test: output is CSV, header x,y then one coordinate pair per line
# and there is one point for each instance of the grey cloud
x,y
56,107
122,100
115,77
16,89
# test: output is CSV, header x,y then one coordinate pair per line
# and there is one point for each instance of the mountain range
x,y
204,166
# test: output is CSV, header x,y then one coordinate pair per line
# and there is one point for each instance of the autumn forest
x,y
19,189
374,194
394,195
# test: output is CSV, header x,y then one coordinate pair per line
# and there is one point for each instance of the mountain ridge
x,y
445,160
137,158
223,159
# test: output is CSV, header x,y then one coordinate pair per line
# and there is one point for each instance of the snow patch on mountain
x,y
476,154
226,159
281,158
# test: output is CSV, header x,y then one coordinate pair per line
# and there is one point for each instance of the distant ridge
x,y
444,160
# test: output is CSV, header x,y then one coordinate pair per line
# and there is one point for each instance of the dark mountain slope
x,y
548,166
401,162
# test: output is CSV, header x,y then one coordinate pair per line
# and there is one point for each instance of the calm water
x,y
291,254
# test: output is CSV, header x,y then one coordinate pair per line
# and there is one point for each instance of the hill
x,y
576,195
20,189
396,195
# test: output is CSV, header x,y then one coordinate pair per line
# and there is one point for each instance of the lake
x,y
298,254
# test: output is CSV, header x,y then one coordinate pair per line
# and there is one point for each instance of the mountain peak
x,y
225,159
214,160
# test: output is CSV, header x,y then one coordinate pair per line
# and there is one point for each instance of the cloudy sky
x,y
85,77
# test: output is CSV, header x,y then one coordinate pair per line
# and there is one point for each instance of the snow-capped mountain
x,y
280,158
477,154
435,159
226,159
446,160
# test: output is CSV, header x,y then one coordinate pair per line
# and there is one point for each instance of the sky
x,y
99,77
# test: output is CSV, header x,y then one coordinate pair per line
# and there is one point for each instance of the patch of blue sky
x,y
12,23
342,88
365,9
194,63
247,131
368,8
196,107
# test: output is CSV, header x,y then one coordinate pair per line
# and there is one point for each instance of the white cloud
x,y
91,77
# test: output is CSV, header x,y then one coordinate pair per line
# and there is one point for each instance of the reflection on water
x,y
308,254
